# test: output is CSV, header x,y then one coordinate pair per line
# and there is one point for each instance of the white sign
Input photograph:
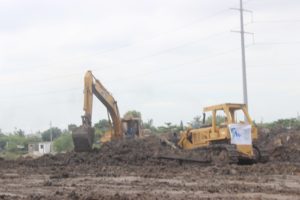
x,y
240,133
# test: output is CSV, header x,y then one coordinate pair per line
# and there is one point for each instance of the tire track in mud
x,y
85,186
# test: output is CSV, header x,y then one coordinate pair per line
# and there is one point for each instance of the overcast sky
x,y
165,58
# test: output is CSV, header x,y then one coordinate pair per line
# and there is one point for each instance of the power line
x,y
186,63
130,61
171,31
278,43
149,39
40,93
176,47
141,74
287,65
278,21
156,36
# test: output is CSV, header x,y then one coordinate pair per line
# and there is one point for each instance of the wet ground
x,y
127,170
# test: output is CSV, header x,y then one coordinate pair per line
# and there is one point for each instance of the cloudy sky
x,y
165,58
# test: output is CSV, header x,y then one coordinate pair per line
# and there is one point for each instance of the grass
x,y
10,155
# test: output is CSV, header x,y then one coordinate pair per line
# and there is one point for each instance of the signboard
x,y
240,134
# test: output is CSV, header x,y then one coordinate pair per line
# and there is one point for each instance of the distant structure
x,y
39,149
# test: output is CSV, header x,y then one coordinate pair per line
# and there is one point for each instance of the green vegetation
x,y
101,127
133,113
282,124
51,132
13,145
63,143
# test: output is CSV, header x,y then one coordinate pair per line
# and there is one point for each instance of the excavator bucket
x,y
83,138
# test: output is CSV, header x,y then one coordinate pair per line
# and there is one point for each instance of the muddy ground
x,y
129,170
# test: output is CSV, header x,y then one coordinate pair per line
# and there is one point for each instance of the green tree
x,y
46,135
284,124
149,125
14,142
72,127
63,143
196,122
219,119
133,113
102,125
19,132
168,128
3,141
33,138
100,128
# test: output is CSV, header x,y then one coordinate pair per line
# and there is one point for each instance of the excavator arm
x,y
84,135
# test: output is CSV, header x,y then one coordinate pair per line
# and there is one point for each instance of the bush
x,y
55,132
63,143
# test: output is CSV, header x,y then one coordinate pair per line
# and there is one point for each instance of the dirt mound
x,y
282,146
122,152
142,152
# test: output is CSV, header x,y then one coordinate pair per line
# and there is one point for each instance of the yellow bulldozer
x,y
226,141
83,136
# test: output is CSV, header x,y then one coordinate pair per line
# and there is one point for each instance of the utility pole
x,y
245,92
242,32
51,136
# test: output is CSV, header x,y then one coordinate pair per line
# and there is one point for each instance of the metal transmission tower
x,y
242,32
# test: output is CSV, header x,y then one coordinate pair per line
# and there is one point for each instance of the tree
x,y
3,140
63,143
133,113
103,125
283,124
181,126
196,122
19,132
14,142
149,125
46,135
33,138
219,119
169,128
72,127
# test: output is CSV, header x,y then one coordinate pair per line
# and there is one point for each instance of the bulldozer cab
x,y
224,114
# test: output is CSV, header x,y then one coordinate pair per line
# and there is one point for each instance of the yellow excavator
x,y
83,136
229,141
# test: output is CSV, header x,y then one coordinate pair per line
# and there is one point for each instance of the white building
x,y
40,148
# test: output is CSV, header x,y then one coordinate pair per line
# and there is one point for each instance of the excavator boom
x,y
83,136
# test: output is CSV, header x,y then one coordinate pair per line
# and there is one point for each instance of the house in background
x,y
40,148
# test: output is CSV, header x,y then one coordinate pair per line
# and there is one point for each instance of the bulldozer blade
x,y
166,142
83,138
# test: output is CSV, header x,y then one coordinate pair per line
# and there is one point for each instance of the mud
x,y
130,170
282,146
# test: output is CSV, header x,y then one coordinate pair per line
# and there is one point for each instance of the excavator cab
x,y
132,127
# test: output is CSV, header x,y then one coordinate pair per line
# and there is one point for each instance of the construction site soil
x,y
131,170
